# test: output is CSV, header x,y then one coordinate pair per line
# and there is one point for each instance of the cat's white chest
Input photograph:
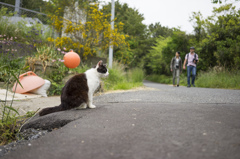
x,y
93,84
92,80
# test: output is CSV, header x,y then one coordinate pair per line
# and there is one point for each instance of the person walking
x,y
191,59
176,68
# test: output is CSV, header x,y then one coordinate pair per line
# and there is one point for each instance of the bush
x,y
10,125
120,79
221,78
56,77
9,130
217,77
167,79
135,75
28,35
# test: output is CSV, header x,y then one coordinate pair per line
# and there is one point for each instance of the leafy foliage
x,y
155,60
220,1
158,59
157,30
8,130
119,79
165,79
29,4
138,36
90,37
218,40
219,77
28,35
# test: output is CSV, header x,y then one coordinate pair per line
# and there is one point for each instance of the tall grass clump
x,y
167,79
219,78
120,79
135,75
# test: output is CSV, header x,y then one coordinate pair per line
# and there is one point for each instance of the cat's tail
x,y
49,110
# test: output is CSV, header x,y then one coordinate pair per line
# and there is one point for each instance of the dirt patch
x,y
17,96
143,88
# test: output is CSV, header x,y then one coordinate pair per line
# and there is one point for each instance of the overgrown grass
x,y
11,124
219,79
119,79
213,78
9,130
57,78
167,79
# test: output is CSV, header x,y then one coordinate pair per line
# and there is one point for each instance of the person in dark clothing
x,y
176,68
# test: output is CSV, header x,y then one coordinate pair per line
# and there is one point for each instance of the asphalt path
x,y
164,123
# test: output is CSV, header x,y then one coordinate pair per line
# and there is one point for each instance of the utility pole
x,y
112,26
17,7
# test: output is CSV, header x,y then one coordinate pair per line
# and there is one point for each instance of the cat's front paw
x,y
92,106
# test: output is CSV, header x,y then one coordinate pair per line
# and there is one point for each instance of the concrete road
x,y
166,123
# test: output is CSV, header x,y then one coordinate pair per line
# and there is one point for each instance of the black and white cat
x,y
78,91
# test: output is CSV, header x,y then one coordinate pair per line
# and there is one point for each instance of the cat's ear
x,y
100,63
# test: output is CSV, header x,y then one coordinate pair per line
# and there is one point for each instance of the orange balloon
x,y
71,60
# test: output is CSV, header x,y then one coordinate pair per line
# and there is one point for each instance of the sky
x,y
172,13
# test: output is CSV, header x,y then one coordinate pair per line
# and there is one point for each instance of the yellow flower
x,y
95,34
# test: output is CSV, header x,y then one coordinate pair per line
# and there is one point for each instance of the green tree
x,y
155,61
88,37
203,49
38,5
159,58
220,1
157,30
134,27
220,45
59,6
199,24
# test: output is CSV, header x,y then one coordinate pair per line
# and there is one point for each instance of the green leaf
x,y
16,79
11,108
4,66
25,67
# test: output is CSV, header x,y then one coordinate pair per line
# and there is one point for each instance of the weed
x,y
213,78
167,79
120,79
8,130
136,75
219,79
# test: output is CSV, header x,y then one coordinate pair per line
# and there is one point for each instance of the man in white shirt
x,y
191,59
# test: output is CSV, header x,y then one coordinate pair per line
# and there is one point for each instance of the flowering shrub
x,y
88,37
47,56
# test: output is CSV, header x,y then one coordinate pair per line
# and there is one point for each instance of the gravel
x,y
24,139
